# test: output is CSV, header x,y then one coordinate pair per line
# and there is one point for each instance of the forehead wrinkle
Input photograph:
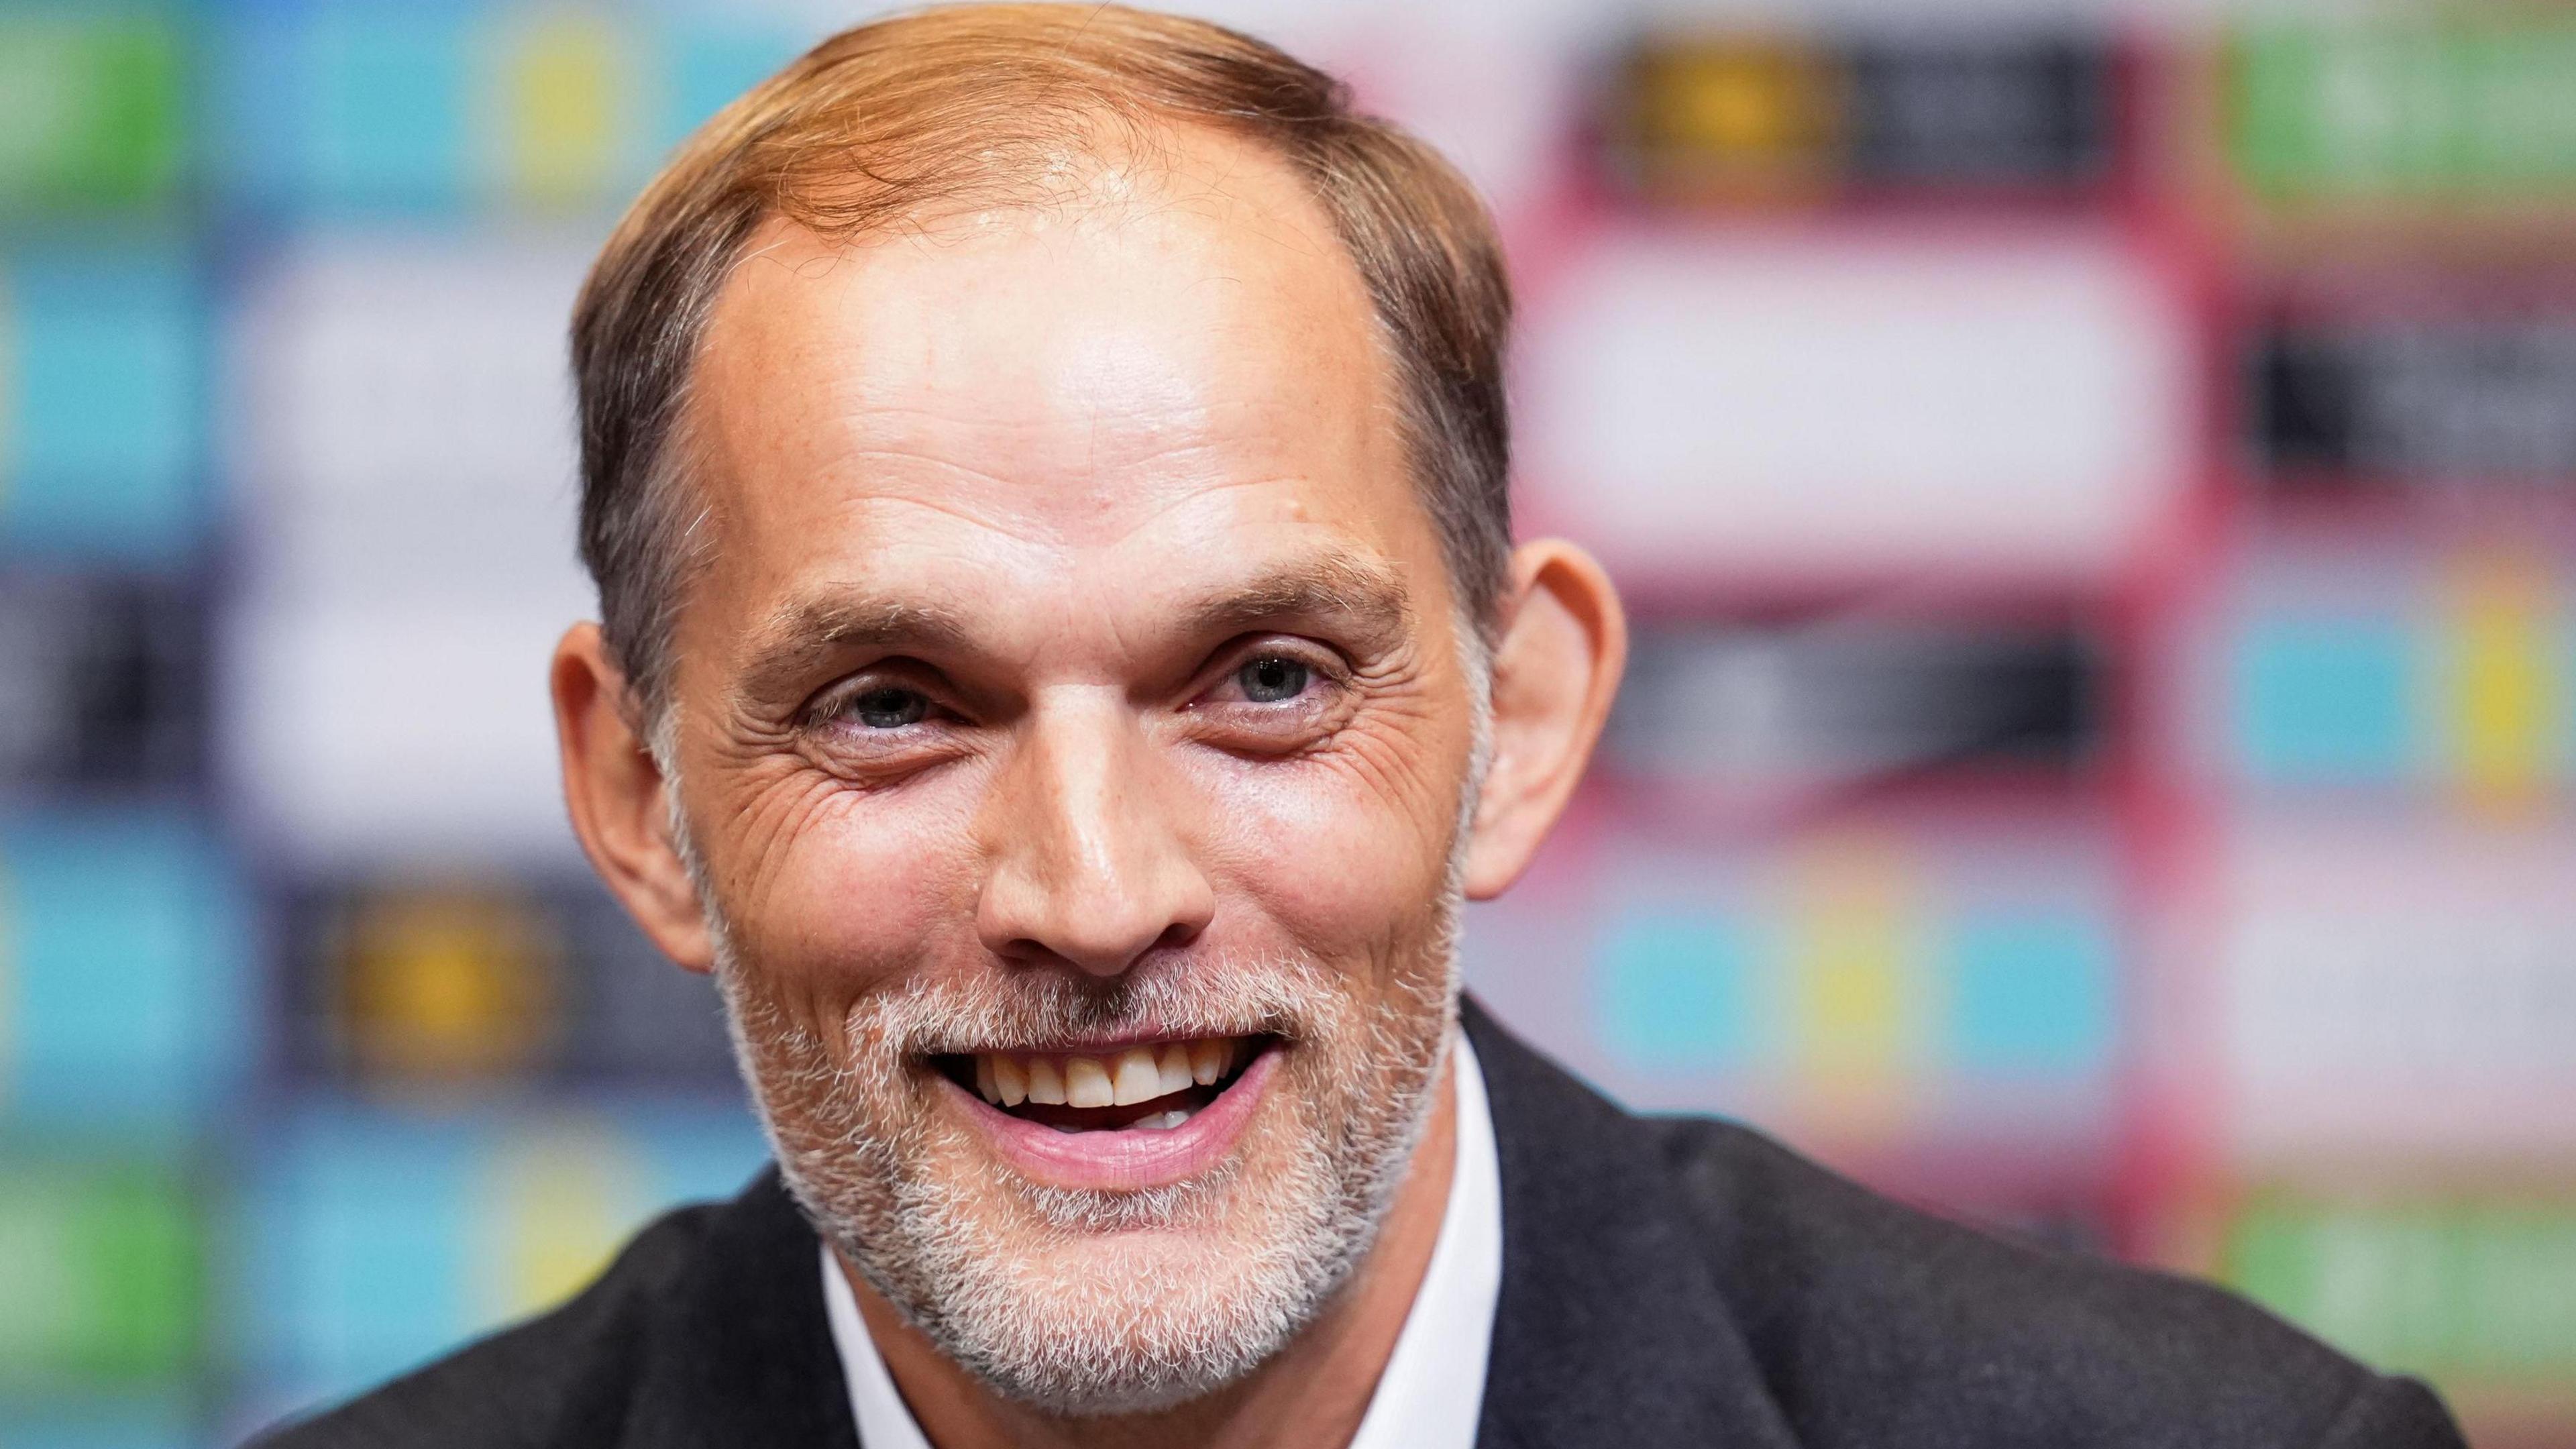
x,y
1109,435
1057,515
1140,446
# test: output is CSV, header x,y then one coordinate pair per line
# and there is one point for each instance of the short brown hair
x,y
957,105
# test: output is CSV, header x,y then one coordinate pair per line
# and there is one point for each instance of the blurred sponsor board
x,y
127,1000
103,1268
1752,118
405,412
105,680
407,445
101,376
2471,1287
125,1424
1781,713
1753,413
93,110
376,1240
411,987
339,108
1867,986
2445,676
2453,108
2431,408
2395,988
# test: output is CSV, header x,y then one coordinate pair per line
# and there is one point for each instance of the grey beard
x,y
1010,1279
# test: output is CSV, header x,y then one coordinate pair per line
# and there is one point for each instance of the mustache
x,y
938,1014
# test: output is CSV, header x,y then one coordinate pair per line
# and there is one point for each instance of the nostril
x,y
1030,951
1107,956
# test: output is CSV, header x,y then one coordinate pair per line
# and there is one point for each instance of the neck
x,y
1313,1392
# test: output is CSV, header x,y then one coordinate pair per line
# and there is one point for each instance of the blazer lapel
x,y
742,1353
1609,1330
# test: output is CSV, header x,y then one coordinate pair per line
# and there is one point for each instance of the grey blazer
x,y
1666,1282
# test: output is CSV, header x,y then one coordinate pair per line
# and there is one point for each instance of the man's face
x,y
1074,735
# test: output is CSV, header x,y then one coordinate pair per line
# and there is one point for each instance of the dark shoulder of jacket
x,y
562,1380
1877,1324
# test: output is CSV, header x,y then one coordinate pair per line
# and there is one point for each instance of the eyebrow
x,y
1367,597
1363,594
804,635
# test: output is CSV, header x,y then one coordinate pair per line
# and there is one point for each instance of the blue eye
x,y
1272,680
888,708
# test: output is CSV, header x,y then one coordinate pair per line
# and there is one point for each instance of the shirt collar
x,y
1434,1382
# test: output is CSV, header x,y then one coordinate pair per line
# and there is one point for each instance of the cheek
x,y
850,893
1340,864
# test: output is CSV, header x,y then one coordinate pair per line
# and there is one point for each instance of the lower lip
x,y
1139,1157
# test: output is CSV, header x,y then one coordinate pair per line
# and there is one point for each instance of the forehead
x,y
1173,345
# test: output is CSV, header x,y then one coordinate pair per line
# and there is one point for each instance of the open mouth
x,y
1149,1086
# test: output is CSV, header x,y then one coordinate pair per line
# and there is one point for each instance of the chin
x,y
1087,1303
1225,1147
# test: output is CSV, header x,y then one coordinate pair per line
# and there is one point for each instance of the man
x,y
1063,664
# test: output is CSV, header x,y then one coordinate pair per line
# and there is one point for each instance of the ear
x,y
1556,669
619,799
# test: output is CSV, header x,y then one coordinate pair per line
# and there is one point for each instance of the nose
x,y
1088,861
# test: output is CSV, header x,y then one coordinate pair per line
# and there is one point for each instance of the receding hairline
x,y
1110,151
947,110
1176,178
1124,180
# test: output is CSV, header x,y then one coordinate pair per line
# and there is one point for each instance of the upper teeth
x,y
1137,1074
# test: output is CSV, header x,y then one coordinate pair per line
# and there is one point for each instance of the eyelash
x,y
836,706
1323,668
1327,674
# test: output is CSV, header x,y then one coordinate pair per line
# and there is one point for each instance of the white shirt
x,y
1434,1384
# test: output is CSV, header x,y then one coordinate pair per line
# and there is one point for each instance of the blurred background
x,y
2094,484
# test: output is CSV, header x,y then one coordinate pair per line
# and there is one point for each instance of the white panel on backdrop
x,y
403,414
2394,985
407,732
1701,407
406,452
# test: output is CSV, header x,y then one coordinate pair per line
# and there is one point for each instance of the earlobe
x,y
616,795
1556,670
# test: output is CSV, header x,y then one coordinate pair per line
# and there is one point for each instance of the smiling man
x,y
1063,666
